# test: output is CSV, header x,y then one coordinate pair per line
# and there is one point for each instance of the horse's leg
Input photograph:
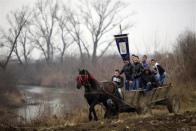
x,y
89,100
90,115
107,112
95,115
92,109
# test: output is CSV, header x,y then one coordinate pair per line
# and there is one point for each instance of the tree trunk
x,y
81,54
94,55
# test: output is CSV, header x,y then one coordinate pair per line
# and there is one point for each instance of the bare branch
x,y
101,17
18,20
45,19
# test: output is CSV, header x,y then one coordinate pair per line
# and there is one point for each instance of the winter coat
x,y
146,78
137,70
128,71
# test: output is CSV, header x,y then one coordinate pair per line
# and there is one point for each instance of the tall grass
x,y
180,66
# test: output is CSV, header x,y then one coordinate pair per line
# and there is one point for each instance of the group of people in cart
x,y
139,75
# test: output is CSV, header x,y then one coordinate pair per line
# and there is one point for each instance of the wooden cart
x,y
144,101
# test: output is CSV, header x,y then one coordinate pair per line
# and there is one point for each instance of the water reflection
x,y
49,101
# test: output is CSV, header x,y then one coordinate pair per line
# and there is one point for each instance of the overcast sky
x,y
156,21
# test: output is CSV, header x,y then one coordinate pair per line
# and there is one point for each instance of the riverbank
x,y
11,98
42,103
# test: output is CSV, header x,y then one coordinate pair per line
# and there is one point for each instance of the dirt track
x,y
183,122
167,122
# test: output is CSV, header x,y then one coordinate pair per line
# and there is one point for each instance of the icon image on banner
x,y
122,47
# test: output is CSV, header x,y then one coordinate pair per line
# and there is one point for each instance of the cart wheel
x,y
173,104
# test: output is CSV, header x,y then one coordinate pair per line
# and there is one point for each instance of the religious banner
x,y
123,46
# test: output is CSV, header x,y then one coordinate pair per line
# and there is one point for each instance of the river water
x,y
49,101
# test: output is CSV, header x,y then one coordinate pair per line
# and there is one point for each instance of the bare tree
x,y
24,47
17,21
100,18
64,36
73,28
45,26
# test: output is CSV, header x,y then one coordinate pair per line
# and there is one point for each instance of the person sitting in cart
x,y
119,83
144,61
137,72
159,71
148,80
128,71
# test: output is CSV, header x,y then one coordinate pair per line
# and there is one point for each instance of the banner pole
x,y
120,29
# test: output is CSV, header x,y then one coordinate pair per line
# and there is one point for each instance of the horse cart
x,y
144,101
139,101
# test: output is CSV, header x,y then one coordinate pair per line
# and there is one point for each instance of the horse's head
x,y
83,78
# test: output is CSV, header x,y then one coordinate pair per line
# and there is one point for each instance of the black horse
x,y
100,93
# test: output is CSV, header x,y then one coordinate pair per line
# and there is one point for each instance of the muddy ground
x,y
165,122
